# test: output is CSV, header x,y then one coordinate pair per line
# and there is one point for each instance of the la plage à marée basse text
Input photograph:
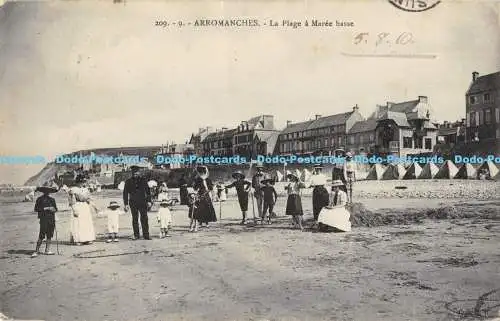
x,y
309,23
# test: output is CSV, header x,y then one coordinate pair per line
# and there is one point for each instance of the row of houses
x,y
394,128
399,128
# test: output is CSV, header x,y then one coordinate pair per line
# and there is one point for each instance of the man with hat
x,y
320,196
257,187
242,188
137,198
46,208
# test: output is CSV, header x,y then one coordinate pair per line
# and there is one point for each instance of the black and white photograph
x,y
250,160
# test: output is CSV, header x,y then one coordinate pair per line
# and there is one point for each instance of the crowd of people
x,y
138,200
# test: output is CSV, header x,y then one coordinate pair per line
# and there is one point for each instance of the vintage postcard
x,y
250,160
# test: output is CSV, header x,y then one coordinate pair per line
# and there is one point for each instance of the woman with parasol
x,y
242,188
204,210
294,203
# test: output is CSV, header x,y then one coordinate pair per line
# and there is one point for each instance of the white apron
x,y
337,217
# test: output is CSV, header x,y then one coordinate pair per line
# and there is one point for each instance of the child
x,y
192,196
113,214
294,203
270,197
242,188
46,207
164,218
221,192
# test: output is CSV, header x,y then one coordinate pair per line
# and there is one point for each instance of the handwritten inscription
x,y
383,38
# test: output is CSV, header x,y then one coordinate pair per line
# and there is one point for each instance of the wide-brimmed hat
x,y
47,188
238,174
80,178
291,175
317,166
259,165
337,182
135,168
113,204
348,154
164,202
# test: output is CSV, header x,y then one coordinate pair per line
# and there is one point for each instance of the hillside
x,y
49,171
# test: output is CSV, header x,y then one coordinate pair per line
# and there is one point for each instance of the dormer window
x,y
473,100
487,97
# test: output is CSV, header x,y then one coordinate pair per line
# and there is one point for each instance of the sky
x,y
89,74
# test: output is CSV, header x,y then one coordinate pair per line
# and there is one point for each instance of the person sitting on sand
x,y
270,197
113,213
46,208
339,197
294,203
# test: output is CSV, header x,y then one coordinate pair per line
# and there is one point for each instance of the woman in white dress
x,y
81,223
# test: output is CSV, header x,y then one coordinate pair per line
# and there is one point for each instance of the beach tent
x,y
429,171
490,168
279,176
394,171
466,171
447,171
413,171
306,175
376,172
298,173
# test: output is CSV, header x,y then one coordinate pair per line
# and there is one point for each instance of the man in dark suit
x,y
137,198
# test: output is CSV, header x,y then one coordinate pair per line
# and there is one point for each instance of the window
x,y
340,141
326,142
407,142
473,100
486,98
467,120
477,119
487,116
428,143
497,115
372,137
361,139
352,139
418,142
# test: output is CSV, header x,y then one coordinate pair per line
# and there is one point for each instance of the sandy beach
x,y
404,269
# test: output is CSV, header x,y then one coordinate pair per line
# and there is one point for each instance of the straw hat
x,y
267,179
291,175
238,174
337,182
348,154
113,205
47,188
134,168
318,166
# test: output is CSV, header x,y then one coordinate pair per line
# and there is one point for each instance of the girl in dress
x,y
164,218
81,223
113,215
294,203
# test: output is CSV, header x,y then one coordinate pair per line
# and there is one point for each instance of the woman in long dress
x,y
204,211
183,190
81,224
294,202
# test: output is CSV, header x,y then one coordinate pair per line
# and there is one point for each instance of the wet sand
x,y
436,270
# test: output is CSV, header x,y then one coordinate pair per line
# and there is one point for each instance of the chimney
x,y
288,123
355,108
475,74
422,99
317,116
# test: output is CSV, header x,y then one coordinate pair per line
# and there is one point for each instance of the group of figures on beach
x,y
137,199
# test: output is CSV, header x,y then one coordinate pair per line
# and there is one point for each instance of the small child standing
x,y
270,197
113,214
46,208
164,218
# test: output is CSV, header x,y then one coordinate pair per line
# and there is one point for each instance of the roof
x,y
296,127
404,107
485,83
332,120
429,125
321,122
398,118
270,137
363,126
220,135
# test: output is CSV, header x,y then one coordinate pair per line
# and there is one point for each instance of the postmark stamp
x,y
414,5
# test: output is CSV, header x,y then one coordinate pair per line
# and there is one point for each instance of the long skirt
x,y
184,196
320,199
204,211
294,205
243,201
82,226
